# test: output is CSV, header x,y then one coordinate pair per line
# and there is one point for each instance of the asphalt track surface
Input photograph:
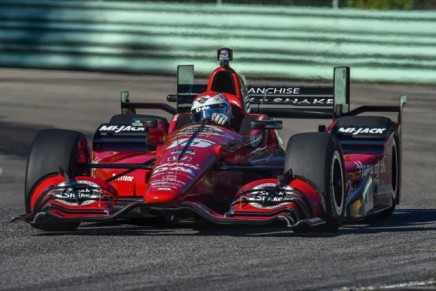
x,y
398,253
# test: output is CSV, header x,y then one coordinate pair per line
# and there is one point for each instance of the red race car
x,y
237,173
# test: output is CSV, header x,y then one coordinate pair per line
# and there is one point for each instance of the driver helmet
x,y
208,103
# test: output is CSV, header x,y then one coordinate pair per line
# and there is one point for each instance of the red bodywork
x,y
220,174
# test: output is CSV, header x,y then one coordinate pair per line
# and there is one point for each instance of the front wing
x,y
262,202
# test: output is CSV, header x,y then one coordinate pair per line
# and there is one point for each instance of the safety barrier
x,y
274,42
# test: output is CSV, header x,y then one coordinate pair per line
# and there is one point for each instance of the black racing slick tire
x,y
51,150
317,158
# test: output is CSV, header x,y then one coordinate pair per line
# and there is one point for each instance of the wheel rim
x,y
337,184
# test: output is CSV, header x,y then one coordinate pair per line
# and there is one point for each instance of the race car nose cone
x,y
161,196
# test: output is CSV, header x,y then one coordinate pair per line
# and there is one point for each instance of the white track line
x,y
405,285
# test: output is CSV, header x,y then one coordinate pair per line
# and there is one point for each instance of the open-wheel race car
x,y
144,166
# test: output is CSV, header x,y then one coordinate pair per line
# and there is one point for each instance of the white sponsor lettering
x,y
124,178
197,142
178,168
202,108
167,183
377,168
361,130
120,128
206,130
187,152
258,149
260,196
274,90
294,101
169,165
86,191
185,158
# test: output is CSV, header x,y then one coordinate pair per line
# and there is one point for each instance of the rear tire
x,y
317,157
52,149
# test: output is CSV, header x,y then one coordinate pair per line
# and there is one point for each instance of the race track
x,y
401,250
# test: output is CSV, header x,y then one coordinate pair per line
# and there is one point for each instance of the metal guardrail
x,y
276,42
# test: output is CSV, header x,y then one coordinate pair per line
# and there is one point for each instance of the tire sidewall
x,y
335,202
51,150
314,157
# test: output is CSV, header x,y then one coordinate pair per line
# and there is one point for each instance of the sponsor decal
x,y
176,168
275,90
187,152
176,158
361,131
220,98
293,101
224,55
257,198
197,142
187,156
124,178
203,99
83,193
371,168
167,184
168,166
206,130
168,180
137,122
201,108
270,126
217,98
259,149
121,128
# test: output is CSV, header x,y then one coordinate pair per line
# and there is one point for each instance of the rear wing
x,y
305,102
323,102
298,101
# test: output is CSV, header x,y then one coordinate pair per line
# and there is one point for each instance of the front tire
x,y
317,157
53,149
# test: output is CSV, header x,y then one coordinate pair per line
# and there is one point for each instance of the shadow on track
x,y
403,220
19,137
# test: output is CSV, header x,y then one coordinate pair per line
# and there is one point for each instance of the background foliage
x,y
361,4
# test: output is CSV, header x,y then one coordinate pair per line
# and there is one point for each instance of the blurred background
x,y
382,41
364,4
